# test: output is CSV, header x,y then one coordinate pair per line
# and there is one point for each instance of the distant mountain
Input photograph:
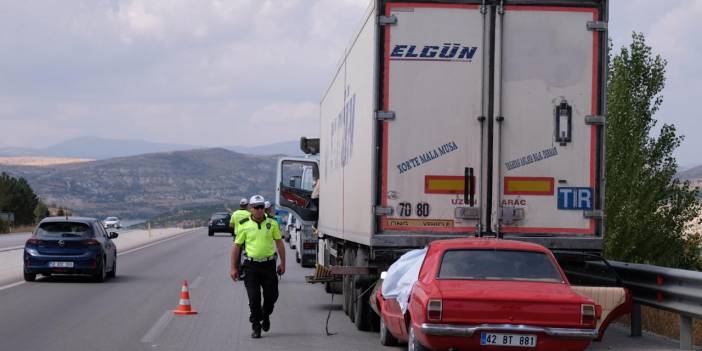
x,y
145,185
291,148
103,148
694,173
97,148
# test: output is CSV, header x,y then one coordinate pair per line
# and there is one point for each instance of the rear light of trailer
x,y
434,308
587,315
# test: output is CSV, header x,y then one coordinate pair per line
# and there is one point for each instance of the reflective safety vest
x,y
258,237
237,216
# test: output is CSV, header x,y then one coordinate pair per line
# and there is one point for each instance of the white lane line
x,y
153,243
119,254
12,248
197,282
158,328
11,285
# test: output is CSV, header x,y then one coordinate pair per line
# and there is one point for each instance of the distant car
x,y
70,245
478,294
112,222
219,223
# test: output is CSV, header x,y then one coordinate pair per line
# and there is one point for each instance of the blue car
x,y
70,245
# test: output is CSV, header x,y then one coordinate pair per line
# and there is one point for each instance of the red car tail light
x,y
587,315
33,241
91,242
434,308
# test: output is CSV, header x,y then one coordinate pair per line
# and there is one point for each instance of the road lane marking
x,y
197,282
12,248
11,285
119,254
158,327
155,243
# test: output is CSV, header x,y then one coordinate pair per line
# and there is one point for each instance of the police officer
x,y
259,233
239,214
269,210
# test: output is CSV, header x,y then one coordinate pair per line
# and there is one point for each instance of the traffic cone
x,y
184,304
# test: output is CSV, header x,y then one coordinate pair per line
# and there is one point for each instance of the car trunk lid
x,y
511,302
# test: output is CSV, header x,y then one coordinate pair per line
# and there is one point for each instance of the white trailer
x,y
457,118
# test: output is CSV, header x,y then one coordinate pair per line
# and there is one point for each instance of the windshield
x,y
111,219
64,230
498,265
219,216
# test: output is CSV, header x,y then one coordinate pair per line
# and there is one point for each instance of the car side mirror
x,y
113,235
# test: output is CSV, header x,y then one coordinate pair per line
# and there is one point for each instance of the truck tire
x,y
361,311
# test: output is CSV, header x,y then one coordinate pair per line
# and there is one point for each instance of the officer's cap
x,y
267,204
257,200
243,202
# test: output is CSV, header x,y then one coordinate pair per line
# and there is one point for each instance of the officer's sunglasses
x,y
258,207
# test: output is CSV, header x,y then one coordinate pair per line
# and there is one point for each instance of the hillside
x,y
145,185
104,148
694,173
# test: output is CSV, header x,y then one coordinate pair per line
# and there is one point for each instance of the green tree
x,y
41,211
18,197
647,209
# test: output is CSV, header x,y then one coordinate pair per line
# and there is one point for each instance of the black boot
x,y
266,324
256,333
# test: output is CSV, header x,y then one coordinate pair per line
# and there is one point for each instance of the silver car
x,y
112,222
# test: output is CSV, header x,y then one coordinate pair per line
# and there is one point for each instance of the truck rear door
x,y
433,67
546,148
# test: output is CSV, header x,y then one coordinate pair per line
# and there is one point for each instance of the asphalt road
x,y
133,311
12,241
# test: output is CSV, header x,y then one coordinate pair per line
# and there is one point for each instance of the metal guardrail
x,y
674,290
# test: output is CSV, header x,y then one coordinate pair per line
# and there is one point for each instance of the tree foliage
x,y
18,197
647,209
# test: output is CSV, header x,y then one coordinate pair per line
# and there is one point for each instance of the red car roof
x,y
485,243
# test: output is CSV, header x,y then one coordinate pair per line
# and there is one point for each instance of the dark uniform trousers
x,y
260,276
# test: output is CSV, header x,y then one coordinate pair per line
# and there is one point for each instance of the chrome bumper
x,y
469,330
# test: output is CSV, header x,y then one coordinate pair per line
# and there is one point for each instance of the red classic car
x,y
493,294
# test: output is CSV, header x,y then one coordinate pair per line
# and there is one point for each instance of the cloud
x,y
167,70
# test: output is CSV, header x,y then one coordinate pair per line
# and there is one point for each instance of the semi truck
x,y
459,118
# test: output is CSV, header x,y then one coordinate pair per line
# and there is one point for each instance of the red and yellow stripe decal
x,y
528,186
434,184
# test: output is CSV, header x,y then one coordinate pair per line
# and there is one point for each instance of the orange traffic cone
x,y
184,304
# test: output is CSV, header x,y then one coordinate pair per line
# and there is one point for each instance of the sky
x,y
238,72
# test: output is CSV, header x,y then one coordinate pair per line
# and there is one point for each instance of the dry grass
x,y
664,323
39,161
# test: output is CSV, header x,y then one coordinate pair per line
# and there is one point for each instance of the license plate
x,y
518,340
61,264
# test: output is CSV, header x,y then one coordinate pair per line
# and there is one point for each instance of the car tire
x,y
386,338
30,277
100,274
112,273
413,344
210,233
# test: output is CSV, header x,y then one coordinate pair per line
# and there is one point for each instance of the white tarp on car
x,y
401,277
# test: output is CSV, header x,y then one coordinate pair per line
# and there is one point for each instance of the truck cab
x,y
295,183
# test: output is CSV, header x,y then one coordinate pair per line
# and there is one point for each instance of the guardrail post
x,y
685,332
635,319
